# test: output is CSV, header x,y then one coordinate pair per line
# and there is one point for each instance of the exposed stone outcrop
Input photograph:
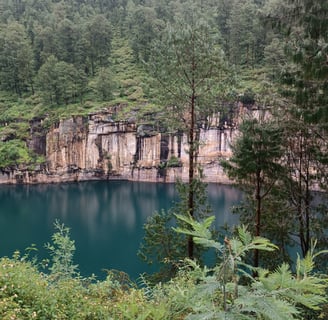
x,y
96,147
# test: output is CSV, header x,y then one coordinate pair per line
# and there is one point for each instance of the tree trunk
x,y
307,211
258,217
191,204
191,175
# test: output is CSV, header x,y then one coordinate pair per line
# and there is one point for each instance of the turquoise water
x,y
105,218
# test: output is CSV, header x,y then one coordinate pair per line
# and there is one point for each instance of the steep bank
x,y
95,147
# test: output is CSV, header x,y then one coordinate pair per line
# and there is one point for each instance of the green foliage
x,y
227,291
173,162
60,82
65,57
59,53
13,153
201,206
275,57
104,84
188,65
304,144
256,165
16,59
246,35
256,152
62,251
146,27
26,293
98,37
303,25
224,293
161,245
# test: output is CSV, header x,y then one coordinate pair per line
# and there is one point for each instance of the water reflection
x,y
105,218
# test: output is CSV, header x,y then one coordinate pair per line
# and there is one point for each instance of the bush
x,y
13,153
228,291
173,162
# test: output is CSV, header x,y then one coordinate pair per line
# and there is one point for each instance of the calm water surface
x,y
105,218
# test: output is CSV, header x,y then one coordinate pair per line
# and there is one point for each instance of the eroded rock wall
x,y
96,147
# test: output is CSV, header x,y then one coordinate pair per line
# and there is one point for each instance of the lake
x,y
106,219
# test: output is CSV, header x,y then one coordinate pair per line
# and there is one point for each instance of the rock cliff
x,y
96,147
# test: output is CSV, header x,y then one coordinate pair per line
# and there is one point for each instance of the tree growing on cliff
x,y
188,64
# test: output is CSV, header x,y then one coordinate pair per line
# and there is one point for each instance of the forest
x,y
176,63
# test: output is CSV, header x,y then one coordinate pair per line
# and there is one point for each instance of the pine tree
x,y
305,27
302,26
188,64
255,164
243,27
16,59
59,82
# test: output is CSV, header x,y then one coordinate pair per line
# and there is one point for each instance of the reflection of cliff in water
x,y
106,218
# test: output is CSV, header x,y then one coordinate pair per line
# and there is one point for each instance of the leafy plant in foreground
x,y
229,291
62,251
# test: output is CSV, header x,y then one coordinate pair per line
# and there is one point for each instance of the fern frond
x,y
281,278
269,307
260,243
309,291
209,243
320,253
244,235
241,247
311,301
209,286
220,315
304,266
199,229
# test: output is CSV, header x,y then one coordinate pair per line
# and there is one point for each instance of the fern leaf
x,y
268,307
281,278
200,229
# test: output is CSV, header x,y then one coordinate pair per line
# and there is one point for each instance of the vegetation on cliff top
x,y
62,58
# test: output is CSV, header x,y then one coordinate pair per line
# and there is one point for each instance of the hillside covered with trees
x,y
176,63
60,58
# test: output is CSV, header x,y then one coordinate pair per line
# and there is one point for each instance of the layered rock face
x,y
96,147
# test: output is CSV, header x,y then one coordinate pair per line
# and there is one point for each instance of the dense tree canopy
x,y
81,33
16,59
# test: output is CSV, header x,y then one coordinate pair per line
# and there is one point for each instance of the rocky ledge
x,y
95,147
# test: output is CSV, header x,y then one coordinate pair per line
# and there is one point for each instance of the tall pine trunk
x,y
191,204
